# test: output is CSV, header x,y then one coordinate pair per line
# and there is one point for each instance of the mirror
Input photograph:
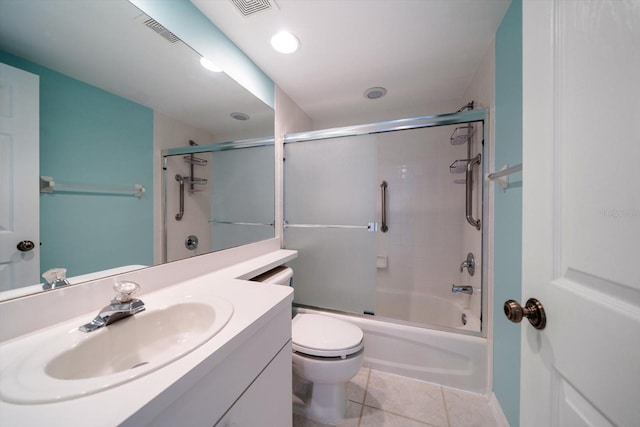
x,y
150,94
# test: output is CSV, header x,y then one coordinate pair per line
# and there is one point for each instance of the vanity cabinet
x,y
268,400
251,386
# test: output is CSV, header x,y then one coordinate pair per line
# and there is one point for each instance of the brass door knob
x,y
532,310
26,246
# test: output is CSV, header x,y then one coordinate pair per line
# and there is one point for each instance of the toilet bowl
x,y
327,353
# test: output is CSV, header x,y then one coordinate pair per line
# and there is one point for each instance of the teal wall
x,y
92,137
508,211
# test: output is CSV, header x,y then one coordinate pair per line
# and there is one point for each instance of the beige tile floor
x,y
379,399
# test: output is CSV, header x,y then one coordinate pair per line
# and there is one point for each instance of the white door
x,y
19,179
581,204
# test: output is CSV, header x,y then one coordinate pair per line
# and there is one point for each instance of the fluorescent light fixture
x,y
285,42
210,65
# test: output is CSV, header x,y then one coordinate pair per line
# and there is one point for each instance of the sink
x,y
71,364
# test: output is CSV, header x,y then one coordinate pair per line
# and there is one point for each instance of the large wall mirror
x,y
116,90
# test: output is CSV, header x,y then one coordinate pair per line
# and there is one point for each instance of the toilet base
x,y
327,403
322,403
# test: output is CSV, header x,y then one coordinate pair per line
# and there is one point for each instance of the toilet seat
x,y
324,336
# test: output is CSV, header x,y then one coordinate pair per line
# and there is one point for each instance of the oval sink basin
x,y
71,363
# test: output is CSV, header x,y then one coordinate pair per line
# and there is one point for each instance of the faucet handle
x,y
125,290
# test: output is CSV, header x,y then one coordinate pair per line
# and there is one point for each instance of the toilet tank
x,y
280,275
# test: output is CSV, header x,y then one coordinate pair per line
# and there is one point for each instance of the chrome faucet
x,y
121,307
55,278
463,289
469,264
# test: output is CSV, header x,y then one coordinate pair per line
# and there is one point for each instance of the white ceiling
x,y
424,52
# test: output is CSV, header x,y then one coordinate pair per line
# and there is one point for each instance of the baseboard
x,y
497,411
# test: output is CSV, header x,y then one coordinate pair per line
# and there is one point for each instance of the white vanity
x,y
240,376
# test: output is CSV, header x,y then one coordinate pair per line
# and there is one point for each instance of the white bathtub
x,y
447,358
426,309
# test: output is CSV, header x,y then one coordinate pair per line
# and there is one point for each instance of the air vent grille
x,y
249,7
158,28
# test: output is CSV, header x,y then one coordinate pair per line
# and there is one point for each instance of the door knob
x,y
26,246
532,310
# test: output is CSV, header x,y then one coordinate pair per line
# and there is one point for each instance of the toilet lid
x,y
325,336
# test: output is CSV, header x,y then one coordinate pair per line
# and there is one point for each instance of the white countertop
x,y
254,304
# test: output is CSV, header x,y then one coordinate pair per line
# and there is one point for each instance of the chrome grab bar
x,y
383,188
469,189
180,214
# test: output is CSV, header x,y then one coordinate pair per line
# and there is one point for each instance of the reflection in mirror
x,y
111,97
218,198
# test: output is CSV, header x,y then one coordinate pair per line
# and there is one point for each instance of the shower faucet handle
x,y
469,264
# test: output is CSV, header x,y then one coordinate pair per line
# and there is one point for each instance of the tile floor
x,y
379,399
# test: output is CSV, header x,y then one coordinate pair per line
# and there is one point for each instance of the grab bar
x,y
180,214
383,187
469,196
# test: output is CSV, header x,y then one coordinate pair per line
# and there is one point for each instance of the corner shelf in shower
x,y
191,159
462,135
194,161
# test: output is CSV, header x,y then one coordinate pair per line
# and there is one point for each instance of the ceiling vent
x,y
249,7
160,29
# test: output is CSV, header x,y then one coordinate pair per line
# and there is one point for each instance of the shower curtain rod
x,y
390,126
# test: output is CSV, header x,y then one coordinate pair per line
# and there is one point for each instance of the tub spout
x,y
465,289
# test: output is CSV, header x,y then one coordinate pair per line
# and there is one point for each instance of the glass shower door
x,y
331,192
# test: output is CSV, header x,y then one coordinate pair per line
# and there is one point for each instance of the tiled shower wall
x,y
426,211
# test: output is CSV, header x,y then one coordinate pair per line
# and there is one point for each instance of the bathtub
x,y
426,309
447,358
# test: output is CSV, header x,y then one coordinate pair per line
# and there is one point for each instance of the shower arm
x,y
469,191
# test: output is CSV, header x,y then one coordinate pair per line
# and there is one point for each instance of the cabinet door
x,y
267,402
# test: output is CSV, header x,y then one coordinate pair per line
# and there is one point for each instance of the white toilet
x,y
327,352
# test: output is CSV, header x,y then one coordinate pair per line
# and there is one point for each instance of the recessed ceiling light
x,y
285,42
375,92
240,116
210,65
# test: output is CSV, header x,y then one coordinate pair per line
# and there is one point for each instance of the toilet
x,y
327,353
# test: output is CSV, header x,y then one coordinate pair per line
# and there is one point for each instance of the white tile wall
x,y
426,213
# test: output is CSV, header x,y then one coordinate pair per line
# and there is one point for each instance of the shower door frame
x,y
460,117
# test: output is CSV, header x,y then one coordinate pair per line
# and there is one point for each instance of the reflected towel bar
x,y
48,185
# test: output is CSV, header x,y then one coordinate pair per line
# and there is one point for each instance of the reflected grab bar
x,y
180,214
469,188
383,188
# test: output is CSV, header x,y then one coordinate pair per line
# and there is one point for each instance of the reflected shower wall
x,y
220,194
333,195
